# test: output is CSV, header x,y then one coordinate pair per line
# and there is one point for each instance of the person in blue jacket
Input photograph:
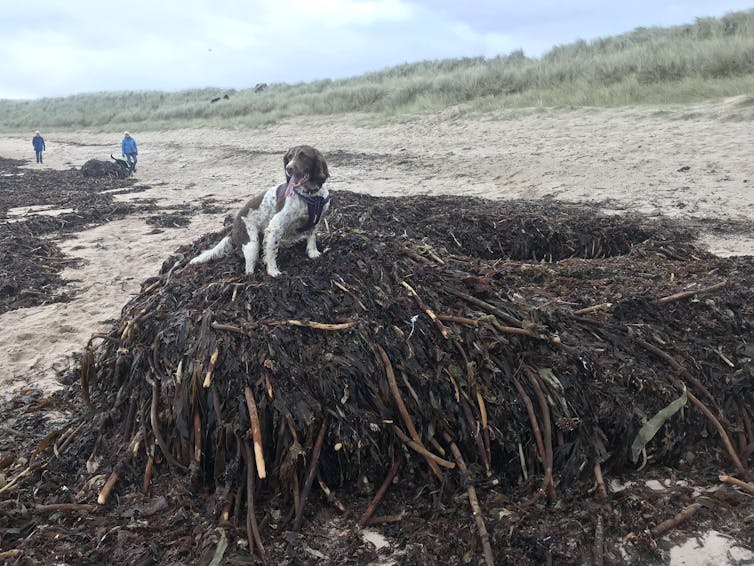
x,y
39,145
129,150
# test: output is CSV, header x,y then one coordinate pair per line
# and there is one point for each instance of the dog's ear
x,y
319,169
286,160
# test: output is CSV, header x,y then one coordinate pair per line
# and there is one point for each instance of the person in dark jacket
x,y
39,145
129,150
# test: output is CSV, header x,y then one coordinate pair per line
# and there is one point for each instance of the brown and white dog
x,y
284,214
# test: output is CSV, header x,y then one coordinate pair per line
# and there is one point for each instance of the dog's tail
x,y
223,248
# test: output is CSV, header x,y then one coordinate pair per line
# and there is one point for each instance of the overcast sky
x,y
51,48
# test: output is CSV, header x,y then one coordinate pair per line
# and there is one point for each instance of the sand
x,y
688,162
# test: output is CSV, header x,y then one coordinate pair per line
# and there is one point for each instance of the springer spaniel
x,y
285,214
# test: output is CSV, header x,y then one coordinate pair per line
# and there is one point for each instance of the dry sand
x,y
689,162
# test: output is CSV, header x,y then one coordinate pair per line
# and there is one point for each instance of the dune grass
x,y
708,59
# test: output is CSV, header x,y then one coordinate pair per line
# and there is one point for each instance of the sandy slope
x,y
688,162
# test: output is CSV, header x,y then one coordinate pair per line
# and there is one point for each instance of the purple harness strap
x,y
315,205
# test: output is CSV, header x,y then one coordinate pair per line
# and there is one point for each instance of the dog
x,y
123,163
283,215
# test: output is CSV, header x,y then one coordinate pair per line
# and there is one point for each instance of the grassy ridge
x,y
713,57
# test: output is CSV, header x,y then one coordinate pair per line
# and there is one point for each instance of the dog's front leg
x,y
272,237
251,251
311,246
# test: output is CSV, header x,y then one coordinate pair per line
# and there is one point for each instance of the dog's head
x,y
305,165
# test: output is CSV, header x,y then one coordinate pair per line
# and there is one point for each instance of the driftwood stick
x,y
402,408
256,433
227,327
687,294
593,308
672,523
321,325
116,474
476,511
310,475
430,313
211,368
349,292
746,486
421,449
381,492
251,515
329,494
458,319
525,332
548,482
600,481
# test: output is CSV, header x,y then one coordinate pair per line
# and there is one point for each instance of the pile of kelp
x,y
100,168
524,348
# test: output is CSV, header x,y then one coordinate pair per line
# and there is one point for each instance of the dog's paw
x,y
313,254
274,272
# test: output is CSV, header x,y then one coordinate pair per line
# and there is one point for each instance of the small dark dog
x,y
123,163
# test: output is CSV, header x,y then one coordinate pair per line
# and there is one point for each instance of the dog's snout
x,y
289,169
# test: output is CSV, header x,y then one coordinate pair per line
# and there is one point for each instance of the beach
x,y
690,163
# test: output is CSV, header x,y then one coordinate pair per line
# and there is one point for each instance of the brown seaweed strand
x,y
484,305
402,408
421,449
526,400
381,492
155,422
252,528
310,474
476,510
548,483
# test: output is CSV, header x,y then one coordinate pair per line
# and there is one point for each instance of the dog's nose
x,y
289,170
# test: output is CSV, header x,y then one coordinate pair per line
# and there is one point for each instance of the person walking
x,y
129,150
39,145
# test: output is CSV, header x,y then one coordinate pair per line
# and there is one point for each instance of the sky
x,y
53,48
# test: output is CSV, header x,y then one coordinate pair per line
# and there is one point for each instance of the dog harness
x,y
314,204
